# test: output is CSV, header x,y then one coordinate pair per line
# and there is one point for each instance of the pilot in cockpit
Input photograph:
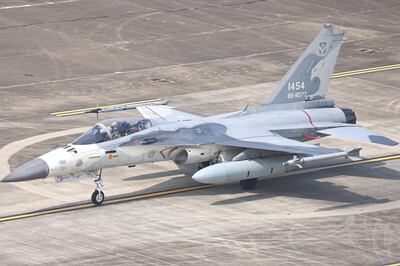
x,y
119,129
114,130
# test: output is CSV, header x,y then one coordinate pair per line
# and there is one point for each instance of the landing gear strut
x,y
248,184
98,195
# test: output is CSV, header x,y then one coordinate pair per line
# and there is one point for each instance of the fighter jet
x,y
257,142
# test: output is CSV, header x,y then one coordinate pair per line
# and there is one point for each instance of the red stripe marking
x,y
162,152
309,119
309,136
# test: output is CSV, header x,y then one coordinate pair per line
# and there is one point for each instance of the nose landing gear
x,y
98,195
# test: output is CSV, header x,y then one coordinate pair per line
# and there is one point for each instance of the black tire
x,y
248,184
97,198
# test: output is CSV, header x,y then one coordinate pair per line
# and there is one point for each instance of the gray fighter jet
x,y
243,146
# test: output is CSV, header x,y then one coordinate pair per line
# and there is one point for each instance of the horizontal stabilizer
x,y
359,133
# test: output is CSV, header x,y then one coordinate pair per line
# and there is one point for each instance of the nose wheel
x,y
98,194
97,197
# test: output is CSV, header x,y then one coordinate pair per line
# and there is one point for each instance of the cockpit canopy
x,y
112,129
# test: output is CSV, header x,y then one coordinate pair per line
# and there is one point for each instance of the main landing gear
x,y
248,184
98,195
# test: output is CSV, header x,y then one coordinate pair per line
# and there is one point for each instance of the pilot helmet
x,y
114,124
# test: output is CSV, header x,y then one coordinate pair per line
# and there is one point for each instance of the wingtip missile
x,y
352,154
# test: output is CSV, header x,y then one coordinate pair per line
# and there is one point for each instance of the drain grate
x,y
160,81
367,50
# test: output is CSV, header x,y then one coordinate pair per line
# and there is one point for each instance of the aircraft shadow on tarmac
x,y
154,175
308,186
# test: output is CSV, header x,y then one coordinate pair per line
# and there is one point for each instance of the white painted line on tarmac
x,y
38,4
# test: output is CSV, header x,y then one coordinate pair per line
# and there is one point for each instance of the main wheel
x,y
97,197
248,184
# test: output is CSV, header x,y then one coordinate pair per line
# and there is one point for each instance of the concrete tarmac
x,y
206,57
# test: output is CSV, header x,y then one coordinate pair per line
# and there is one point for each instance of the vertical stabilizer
x,y
308,78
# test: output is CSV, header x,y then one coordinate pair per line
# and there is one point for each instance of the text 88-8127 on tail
x,y
257,142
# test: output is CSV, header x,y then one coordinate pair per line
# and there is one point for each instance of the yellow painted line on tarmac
x,y
393,264
365,71
39,213
158,194
173,191
386,158
107,202
83,110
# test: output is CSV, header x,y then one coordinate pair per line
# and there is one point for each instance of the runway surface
x,y
206,57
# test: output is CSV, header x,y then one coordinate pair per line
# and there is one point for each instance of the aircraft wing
x,y
162,114
217,134
359,133
276,143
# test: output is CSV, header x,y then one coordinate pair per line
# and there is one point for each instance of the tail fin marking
x,y
309,77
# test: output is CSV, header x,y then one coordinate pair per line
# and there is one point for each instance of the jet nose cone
x,y
34,169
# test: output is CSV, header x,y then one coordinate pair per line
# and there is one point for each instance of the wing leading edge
x,y
162,114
